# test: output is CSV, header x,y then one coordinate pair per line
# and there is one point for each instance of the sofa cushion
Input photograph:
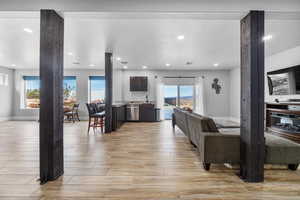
x,y
195,126
218,148
181,120
281,151
208,125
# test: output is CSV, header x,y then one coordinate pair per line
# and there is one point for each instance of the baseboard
x,y
2,119
36,118
24,118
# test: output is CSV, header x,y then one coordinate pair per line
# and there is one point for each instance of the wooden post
x,y
108,92
51,96
252,97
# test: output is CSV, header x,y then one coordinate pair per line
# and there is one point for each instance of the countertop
x,y
284,103
117,105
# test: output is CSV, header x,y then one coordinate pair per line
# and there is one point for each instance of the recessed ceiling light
x,y
28,30
216,65
267,37
118,58
70,54
168,65
125,67
180,37
13,65
144,67
92,65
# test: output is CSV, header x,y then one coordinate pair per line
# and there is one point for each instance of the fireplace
x,y
284,119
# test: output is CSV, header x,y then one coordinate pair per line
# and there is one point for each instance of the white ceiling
x,y
143,39
150,5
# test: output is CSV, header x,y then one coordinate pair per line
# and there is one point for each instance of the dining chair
x,y
73,114
96,119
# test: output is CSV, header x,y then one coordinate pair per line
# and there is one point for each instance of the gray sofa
x,y
224,147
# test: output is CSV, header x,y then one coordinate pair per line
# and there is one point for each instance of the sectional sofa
x,y
215,146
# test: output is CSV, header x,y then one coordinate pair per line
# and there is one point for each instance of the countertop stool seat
x,y
96,119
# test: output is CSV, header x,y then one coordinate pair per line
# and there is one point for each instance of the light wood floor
x,y
140,161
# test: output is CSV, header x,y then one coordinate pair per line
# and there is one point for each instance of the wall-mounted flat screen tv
x,y
284,81
138,83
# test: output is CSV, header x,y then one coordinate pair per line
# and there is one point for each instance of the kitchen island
x,y
133,112
118,115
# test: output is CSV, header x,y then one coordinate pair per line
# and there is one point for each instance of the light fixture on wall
x,y
180,37
267,37
28,30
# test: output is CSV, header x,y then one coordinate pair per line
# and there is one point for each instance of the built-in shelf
x,y
283,121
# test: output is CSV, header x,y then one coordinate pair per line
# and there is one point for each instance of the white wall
x,y
6,94
117,86
82,92
216,104
288,58
284,59
235,94
154,6
139,96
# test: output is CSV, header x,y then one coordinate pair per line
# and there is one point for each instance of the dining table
x,y
67,109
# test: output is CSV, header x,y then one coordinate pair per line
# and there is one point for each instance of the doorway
x,y
177,96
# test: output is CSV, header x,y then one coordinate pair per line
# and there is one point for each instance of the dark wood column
x,y
108,92
252,97
51,96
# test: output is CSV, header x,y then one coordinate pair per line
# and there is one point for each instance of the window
x,y
177,95
3,79
97,89
170,100
32,91
69,90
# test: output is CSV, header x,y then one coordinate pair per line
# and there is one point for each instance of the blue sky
x,y
185,91
98,85
35,84
71,83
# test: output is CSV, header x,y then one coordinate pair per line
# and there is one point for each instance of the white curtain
x,y
200,96
160,96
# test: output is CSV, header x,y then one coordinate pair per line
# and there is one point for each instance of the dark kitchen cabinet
x,y
118,116
147,112
138,83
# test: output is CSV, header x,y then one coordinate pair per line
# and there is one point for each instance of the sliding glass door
x,y
186,96
170,100
177,95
